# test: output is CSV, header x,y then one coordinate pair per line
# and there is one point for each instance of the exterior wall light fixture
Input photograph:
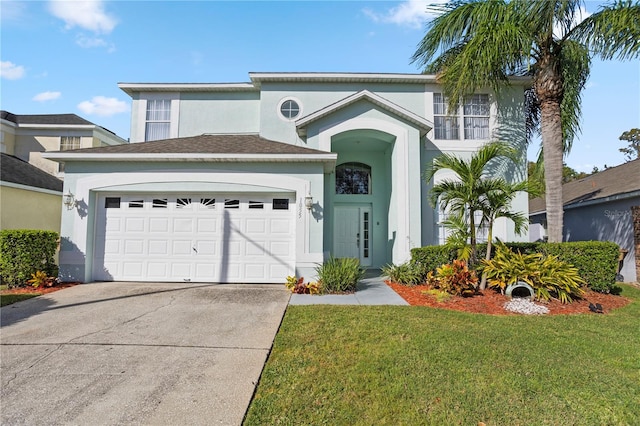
x,y
69,200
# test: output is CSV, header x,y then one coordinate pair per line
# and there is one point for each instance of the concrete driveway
x,y
137,353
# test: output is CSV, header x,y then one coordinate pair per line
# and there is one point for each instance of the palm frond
x,y
613,32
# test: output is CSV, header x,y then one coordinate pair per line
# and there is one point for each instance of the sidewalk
x,y
370,291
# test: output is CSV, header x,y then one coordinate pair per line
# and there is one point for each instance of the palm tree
x,y
468,193
475,44
497,204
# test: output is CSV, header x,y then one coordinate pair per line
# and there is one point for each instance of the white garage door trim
x,y
188,237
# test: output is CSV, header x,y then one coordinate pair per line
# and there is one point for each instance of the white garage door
x,y
195,238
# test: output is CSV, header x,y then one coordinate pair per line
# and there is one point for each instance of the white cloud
x,y
46,96
91,42
410,13
11,71
87,14
103,106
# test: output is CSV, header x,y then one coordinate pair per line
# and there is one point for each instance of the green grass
x,y
359,365
8,299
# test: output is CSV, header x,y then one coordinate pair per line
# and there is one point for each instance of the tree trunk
x,y
483,281
548,86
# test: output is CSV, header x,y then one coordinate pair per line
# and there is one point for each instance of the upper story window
x,y
445,126
69,142
290,108
158,119
353,178
475,112
476,117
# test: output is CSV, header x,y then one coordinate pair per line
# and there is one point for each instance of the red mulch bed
x,y
492,302
40,290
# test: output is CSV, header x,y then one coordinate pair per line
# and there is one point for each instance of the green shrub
x,y
432,257
455,278
596,261
549,276
24,252
409,273
339,275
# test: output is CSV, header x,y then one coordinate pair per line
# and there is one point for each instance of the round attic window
x,y
290,108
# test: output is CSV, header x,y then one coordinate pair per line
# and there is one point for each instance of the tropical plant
x,y
475,44
41,279
408,273
498,204
298,286
340,275
454,278
467,194
548,276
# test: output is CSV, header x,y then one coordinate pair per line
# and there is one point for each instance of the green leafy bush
x,y
409,273
431,257
548,275
339,275
596,261
24,252
455,278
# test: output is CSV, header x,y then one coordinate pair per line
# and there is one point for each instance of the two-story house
x,y
27,136
252,182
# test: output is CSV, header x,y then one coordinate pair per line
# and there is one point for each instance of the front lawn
x,y
8,299
418,365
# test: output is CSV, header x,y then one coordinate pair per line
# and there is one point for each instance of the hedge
x,y
596,261
24,252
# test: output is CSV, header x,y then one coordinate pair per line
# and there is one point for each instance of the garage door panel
x,y
280,226
112,247
183,225
207,225
132,269
206,248
159,247
158,224
255,248
114,224
134,224
194,238
181,270
181,248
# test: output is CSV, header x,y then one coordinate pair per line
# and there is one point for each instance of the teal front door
x,y
352,233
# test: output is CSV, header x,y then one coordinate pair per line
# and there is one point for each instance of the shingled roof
x,y
46,119
204,144
615,181
15,170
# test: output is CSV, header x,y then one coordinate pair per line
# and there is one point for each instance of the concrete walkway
x,y
370,291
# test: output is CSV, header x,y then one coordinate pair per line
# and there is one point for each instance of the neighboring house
x,y
252,182
29,197
27,136
599,207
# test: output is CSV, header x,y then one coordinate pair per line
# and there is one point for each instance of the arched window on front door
x,y
353,178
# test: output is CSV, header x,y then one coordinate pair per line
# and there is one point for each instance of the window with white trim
x,y
476,117
445,125
158,119
69,142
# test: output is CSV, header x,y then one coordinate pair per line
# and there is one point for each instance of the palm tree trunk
x,y
548,86
483,281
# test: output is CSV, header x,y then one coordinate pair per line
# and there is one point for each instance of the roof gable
x,y
421,123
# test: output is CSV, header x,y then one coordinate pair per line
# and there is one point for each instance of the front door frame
x,y
363,237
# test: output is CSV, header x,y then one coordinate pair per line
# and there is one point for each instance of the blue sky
x,y
68,56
